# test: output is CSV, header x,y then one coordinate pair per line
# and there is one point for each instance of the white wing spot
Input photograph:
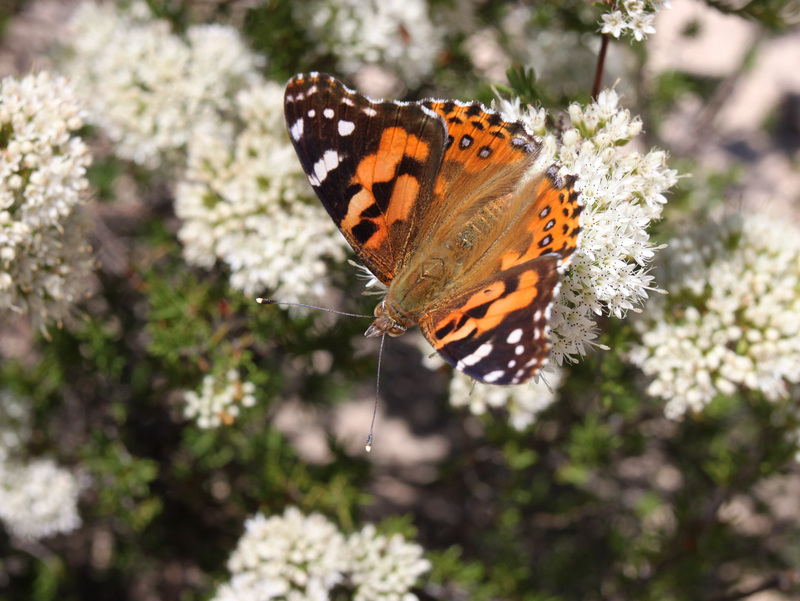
x,y
348,101
493,376
311,90
328,113
511,363
312,113
368,110
519,349
482,351
297,130
346,128
514,336
537,316
329,161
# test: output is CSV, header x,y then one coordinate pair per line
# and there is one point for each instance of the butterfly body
x,y
439,200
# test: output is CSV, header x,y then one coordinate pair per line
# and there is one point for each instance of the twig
x,y
601,62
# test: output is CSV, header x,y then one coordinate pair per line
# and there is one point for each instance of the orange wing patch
x,y
552,222
485,309
367,222
483,134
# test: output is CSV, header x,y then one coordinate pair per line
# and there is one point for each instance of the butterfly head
x,y
385,323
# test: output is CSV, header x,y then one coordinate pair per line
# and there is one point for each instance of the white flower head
x,y
634,16
246,202
148,87
288,556
219,402
384,568
732,316
296,557
622,194
45,259
614,23
394,34
39,499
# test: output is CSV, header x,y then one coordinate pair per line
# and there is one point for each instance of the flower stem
x,y
601,61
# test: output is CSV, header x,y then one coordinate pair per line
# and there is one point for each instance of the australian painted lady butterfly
x,y
437,199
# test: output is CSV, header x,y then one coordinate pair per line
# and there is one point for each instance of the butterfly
x,y
441,202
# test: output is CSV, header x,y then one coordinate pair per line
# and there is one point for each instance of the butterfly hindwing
x,y
373,164
485,158
497,332
549,224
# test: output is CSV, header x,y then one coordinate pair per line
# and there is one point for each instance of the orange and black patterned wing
x,y
549,223
372,163
497,332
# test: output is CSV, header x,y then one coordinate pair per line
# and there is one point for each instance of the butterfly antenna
x,y
368,446
266,301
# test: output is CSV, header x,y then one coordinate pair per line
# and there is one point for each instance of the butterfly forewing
x,y
372,163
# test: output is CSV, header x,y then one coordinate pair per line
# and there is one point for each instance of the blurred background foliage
x,y
603,498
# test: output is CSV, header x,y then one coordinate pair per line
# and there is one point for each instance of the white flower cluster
x,y
243,198
45,259
383,568
623,193
393,34
246,202
219,402
732,317
147,87
37,498
523,402
632,16
297,558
